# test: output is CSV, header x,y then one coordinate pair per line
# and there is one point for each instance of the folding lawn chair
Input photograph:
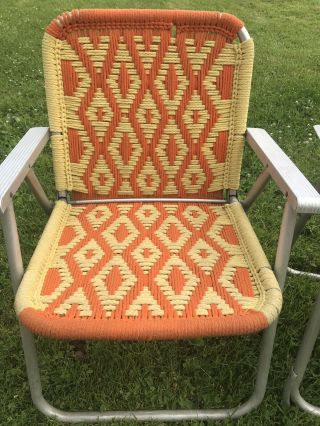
x,y
147,239
291,390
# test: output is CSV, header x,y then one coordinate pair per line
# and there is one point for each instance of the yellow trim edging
x,y
28,295
239,114
51,48
270,304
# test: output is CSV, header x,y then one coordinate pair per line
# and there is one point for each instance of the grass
x,y
211,372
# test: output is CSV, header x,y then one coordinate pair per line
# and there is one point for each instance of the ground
x,y
210,372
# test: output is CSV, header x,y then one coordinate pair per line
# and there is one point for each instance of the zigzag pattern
x,y
147,114
147,103
148,270
148,260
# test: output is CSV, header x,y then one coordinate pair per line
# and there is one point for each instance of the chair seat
x,y
148,271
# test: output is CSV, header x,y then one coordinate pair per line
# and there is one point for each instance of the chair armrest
x,y
301,195
17,164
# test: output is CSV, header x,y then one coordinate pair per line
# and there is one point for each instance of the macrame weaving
x,y
147,104
142,112
148,271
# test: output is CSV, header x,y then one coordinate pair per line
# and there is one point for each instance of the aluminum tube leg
x,y
11,238
303,404
33,373
284,244
12,245
306,274
305,350
303,219
38,192
145,415
280,270
256,189
16,269
263,369
301,222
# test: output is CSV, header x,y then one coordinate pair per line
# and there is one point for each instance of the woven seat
x,y
148,271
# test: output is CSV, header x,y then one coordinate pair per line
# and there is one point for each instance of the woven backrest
x,y
146,102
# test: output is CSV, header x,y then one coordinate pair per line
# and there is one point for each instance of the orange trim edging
x,y
151,18
157,329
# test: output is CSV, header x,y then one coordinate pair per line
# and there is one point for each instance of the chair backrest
x,y
146,103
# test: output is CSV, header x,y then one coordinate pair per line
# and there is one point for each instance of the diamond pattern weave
x,y
145,112
154,270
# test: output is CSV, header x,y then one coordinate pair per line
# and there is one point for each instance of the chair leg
x,y
147,415
312,275
16,271
281,263
291,389
38,192
256,189
301,223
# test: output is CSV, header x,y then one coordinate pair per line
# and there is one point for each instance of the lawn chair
x,y
293,383
147,240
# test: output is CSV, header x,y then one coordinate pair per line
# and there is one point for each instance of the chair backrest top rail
x,y
166,19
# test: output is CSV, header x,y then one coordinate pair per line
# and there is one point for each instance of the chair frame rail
x,y
16,271
291,391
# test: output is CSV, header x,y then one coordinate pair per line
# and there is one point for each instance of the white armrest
x,y
317,130
299,192
17,164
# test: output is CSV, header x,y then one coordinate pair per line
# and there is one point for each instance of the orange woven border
x,y
186,20
131,329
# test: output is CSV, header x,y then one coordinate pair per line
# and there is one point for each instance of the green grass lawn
x,y
211,372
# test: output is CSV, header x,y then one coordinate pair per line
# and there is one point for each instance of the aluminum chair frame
x,y
301,198
291,390
301,223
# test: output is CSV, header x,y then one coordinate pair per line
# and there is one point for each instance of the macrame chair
x,y
148,240
292,386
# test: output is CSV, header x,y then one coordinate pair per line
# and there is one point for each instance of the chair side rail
x,y
300,193
16,166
